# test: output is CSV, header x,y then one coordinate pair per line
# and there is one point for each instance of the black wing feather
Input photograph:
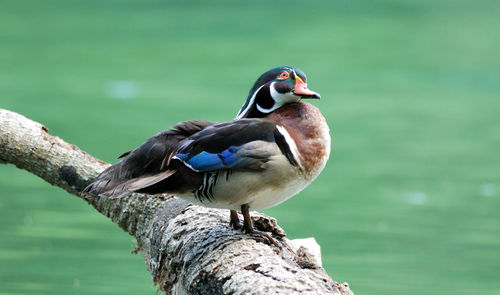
x,y
221,136
233,145
145,164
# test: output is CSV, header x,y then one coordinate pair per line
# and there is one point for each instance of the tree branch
x,y
188,249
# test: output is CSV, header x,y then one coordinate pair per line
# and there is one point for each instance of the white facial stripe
x,y
250,104
290,142
265,111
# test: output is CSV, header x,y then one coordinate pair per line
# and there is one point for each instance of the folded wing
x,y
237,145
145,165
175,161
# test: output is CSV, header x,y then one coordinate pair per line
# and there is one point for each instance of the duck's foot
x,y
234,220
264,235
249,229
268,224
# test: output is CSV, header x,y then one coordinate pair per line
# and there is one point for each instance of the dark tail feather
x,y
104,185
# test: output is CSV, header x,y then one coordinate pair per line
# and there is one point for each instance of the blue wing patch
x,y
241,157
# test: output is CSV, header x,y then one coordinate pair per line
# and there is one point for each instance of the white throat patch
x,y
280,99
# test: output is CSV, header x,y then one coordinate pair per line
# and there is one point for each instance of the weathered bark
x,y
188,249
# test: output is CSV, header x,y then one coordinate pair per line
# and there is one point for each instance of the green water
x,y
409,201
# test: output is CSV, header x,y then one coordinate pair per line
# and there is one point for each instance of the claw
x,y
264,235
249,229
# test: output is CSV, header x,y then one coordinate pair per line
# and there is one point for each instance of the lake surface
x,y
408,203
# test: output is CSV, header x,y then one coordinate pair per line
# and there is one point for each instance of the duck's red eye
x,y
284,75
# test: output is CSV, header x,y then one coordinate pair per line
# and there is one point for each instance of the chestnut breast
x,y
308,128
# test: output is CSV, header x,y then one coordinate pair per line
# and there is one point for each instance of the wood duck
x,y
273,149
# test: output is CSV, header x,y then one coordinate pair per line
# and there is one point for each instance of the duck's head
x,y
274,89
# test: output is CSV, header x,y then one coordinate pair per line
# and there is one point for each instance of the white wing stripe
x,y
290,142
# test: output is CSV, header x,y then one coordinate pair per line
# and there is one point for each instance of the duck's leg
x,y
248,225
234,220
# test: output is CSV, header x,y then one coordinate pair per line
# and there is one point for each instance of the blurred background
x,y
409,201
